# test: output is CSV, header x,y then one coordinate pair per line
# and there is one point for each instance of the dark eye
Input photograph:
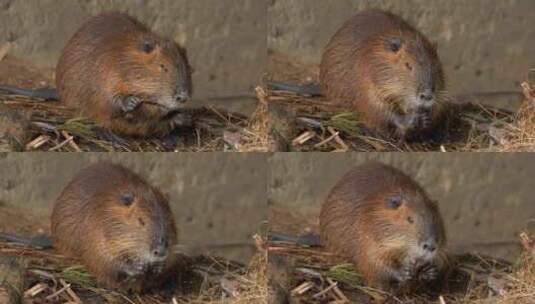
x,y
163,68
410,220
141,222
394,202
408,66
127,199
393,44
147,46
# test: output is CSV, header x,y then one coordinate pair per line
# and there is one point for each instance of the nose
x,y
182,96
427,95
429,245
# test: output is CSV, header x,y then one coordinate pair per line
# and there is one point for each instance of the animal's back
x,y
81,201
340,64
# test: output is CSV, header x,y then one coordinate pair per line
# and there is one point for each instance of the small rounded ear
x,y
393,44
394,202
147,46
126,198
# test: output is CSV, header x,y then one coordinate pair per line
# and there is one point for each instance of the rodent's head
x,y
407,71
408,220
139,227
158,68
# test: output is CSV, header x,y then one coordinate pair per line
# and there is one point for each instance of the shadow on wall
x,y
483,48
478,194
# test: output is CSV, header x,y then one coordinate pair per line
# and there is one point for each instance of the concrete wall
x,y
225,40
484,45
482,197
215,197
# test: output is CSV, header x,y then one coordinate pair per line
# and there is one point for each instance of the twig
x,y
303,138
55,294
35,290
337,291
38,142
70,292
323,142
72,143
301,289
62,144
338,139
326,290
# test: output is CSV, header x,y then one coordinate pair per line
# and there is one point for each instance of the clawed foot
x,y
428,273
134,268
405,274
130,103
130,271
125,104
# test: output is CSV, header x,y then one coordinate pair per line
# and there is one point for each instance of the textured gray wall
x,y
484,45
215,197
482,197
225,40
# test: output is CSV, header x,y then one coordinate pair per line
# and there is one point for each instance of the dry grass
x,y
54,278
254,137
315,276
57,128
319,126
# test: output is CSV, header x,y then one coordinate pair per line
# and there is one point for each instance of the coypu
x,y
118,225
384,68
382,221
127,78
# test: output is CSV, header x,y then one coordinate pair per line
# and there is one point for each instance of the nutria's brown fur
x,y
119,226
382,67
381,220
127,78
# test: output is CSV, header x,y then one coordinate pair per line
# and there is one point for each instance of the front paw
x,y
405,274
428,273
125,104
130,103
134,268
